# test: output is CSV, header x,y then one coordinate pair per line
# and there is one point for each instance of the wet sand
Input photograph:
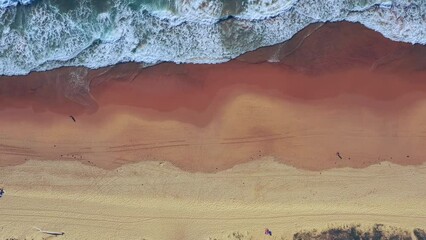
x,y
350,102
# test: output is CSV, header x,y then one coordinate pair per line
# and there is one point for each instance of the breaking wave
x,y
9,3
46,34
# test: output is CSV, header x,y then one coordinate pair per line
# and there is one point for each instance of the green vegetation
x,y
355,232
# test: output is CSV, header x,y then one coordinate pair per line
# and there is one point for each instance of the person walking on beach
x,y
268,232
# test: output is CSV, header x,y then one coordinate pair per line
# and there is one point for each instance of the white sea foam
x,y
190,32
202,11
263,9
10,3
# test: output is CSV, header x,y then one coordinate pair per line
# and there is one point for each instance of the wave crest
x,y
13,3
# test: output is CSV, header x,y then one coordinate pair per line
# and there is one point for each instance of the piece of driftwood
x,y
50,232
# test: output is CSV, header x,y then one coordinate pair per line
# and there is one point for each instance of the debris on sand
x,y
49,232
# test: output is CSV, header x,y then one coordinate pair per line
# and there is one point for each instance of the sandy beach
x,y
153,200
206,119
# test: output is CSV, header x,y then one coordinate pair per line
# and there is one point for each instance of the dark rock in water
x,y
355,233
420,234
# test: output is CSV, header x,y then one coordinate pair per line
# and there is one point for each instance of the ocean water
x,y
45,34
8,3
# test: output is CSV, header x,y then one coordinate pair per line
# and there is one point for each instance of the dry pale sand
x,y
154,200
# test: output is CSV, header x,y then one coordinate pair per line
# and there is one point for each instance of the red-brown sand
x,y
340,96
